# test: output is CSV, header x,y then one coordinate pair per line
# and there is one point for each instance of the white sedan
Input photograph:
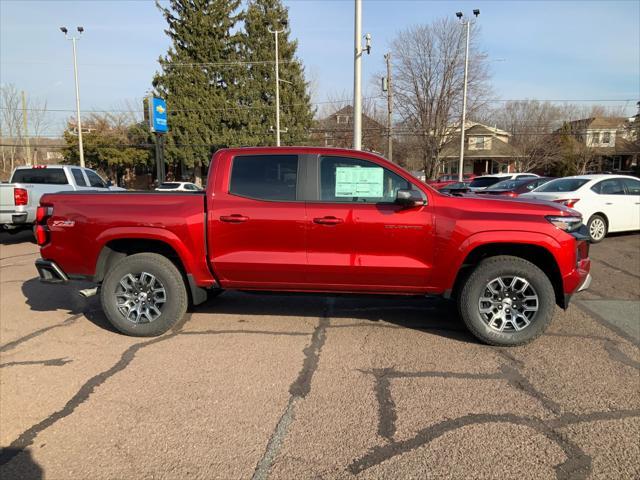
x,y
178,187
608,203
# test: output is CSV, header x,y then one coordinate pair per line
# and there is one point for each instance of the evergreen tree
x,y
258,92
198,78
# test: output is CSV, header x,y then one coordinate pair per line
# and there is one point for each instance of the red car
x,y
306,219
444,180
513,188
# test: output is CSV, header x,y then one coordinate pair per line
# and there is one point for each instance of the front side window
x,y
95,180
265,177
344,179
78,177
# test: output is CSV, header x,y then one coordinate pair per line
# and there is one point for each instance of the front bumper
x,y
50,272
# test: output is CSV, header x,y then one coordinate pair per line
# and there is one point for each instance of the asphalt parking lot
x,y
283,387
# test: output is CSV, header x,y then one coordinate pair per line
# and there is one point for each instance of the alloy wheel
x,y
508,304
140,297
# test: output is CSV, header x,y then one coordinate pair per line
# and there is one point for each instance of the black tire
x,y
476,286
596,234
171,311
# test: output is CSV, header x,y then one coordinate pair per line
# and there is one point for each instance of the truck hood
x,y
508,206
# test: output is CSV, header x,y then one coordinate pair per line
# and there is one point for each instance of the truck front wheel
x,y
507,301
144,295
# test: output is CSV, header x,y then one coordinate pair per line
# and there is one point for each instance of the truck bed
x,y
83,223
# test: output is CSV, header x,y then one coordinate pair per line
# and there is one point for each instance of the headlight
x,y
568,224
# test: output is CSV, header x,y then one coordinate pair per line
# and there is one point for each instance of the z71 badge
x,y
63,223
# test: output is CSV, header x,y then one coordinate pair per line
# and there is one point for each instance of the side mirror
x,y
409,198
109,184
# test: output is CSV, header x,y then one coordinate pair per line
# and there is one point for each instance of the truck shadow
x,y
21,464
426,314
46,298
431,315
23,236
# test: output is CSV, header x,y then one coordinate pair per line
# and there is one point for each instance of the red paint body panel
x,y
309,245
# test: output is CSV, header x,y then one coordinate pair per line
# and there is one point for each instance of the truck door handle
x,y
235,218
608,203
327,220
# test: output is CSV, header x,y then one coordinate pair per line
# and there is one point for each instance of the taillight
x,y
20,196
42,235
42,213
570,202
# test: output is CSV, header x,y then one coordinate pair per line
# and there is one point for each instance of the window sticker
x,y
359,182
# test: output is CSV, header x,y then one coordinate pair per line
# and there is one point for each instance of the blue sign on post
x,y
158,115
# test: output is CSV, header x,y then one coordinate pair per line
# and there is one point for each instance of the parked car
x,y
513,188
178,187
318,220
455,188
608,203
20,197
480,183
444,180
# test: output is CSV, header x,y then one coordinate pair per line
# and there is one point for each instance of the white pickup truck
x,y
19,199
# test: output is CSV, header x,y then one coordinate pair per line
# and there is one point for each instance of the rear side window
x,y
611,186
633,186
169,186
353,180
78,177
265,177
95,180
563,185
46,176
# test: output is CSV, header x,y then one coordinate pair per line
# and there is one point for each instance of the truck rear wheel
x,y
144,295
507,301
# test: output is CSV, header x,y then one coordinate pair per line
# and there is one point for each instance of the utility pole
x,y
75,74
276,32
387,57
25,130
466,23
357,74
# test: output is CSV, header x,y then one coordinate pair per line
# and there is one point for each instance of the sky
x,y
586,51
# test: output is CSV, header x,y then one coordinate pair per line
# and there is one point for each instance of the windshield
x,y
562,185
47,176
507,184
484,182
169,185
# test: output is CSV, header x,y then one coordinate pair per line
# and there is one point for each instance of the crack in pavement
x,y
53,362
298,390
610,346
65,323
617,269
576,466
605,323
26,439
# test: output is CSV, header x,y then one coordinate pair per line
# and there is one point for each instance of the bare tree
x,y
11,125
428,84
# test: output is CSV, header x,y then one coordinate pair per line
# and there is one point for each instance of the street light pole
x,y
75,74
357,77
467,24
276,32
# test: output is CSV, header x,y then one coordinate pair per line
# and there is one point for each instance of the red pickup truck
x,y
309,219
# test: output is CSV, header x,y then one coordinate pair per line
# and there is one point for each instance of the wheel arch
x,y
116,249
536,254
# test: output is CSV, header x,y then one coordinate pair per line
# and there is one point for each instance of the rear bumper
x,y
50,272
